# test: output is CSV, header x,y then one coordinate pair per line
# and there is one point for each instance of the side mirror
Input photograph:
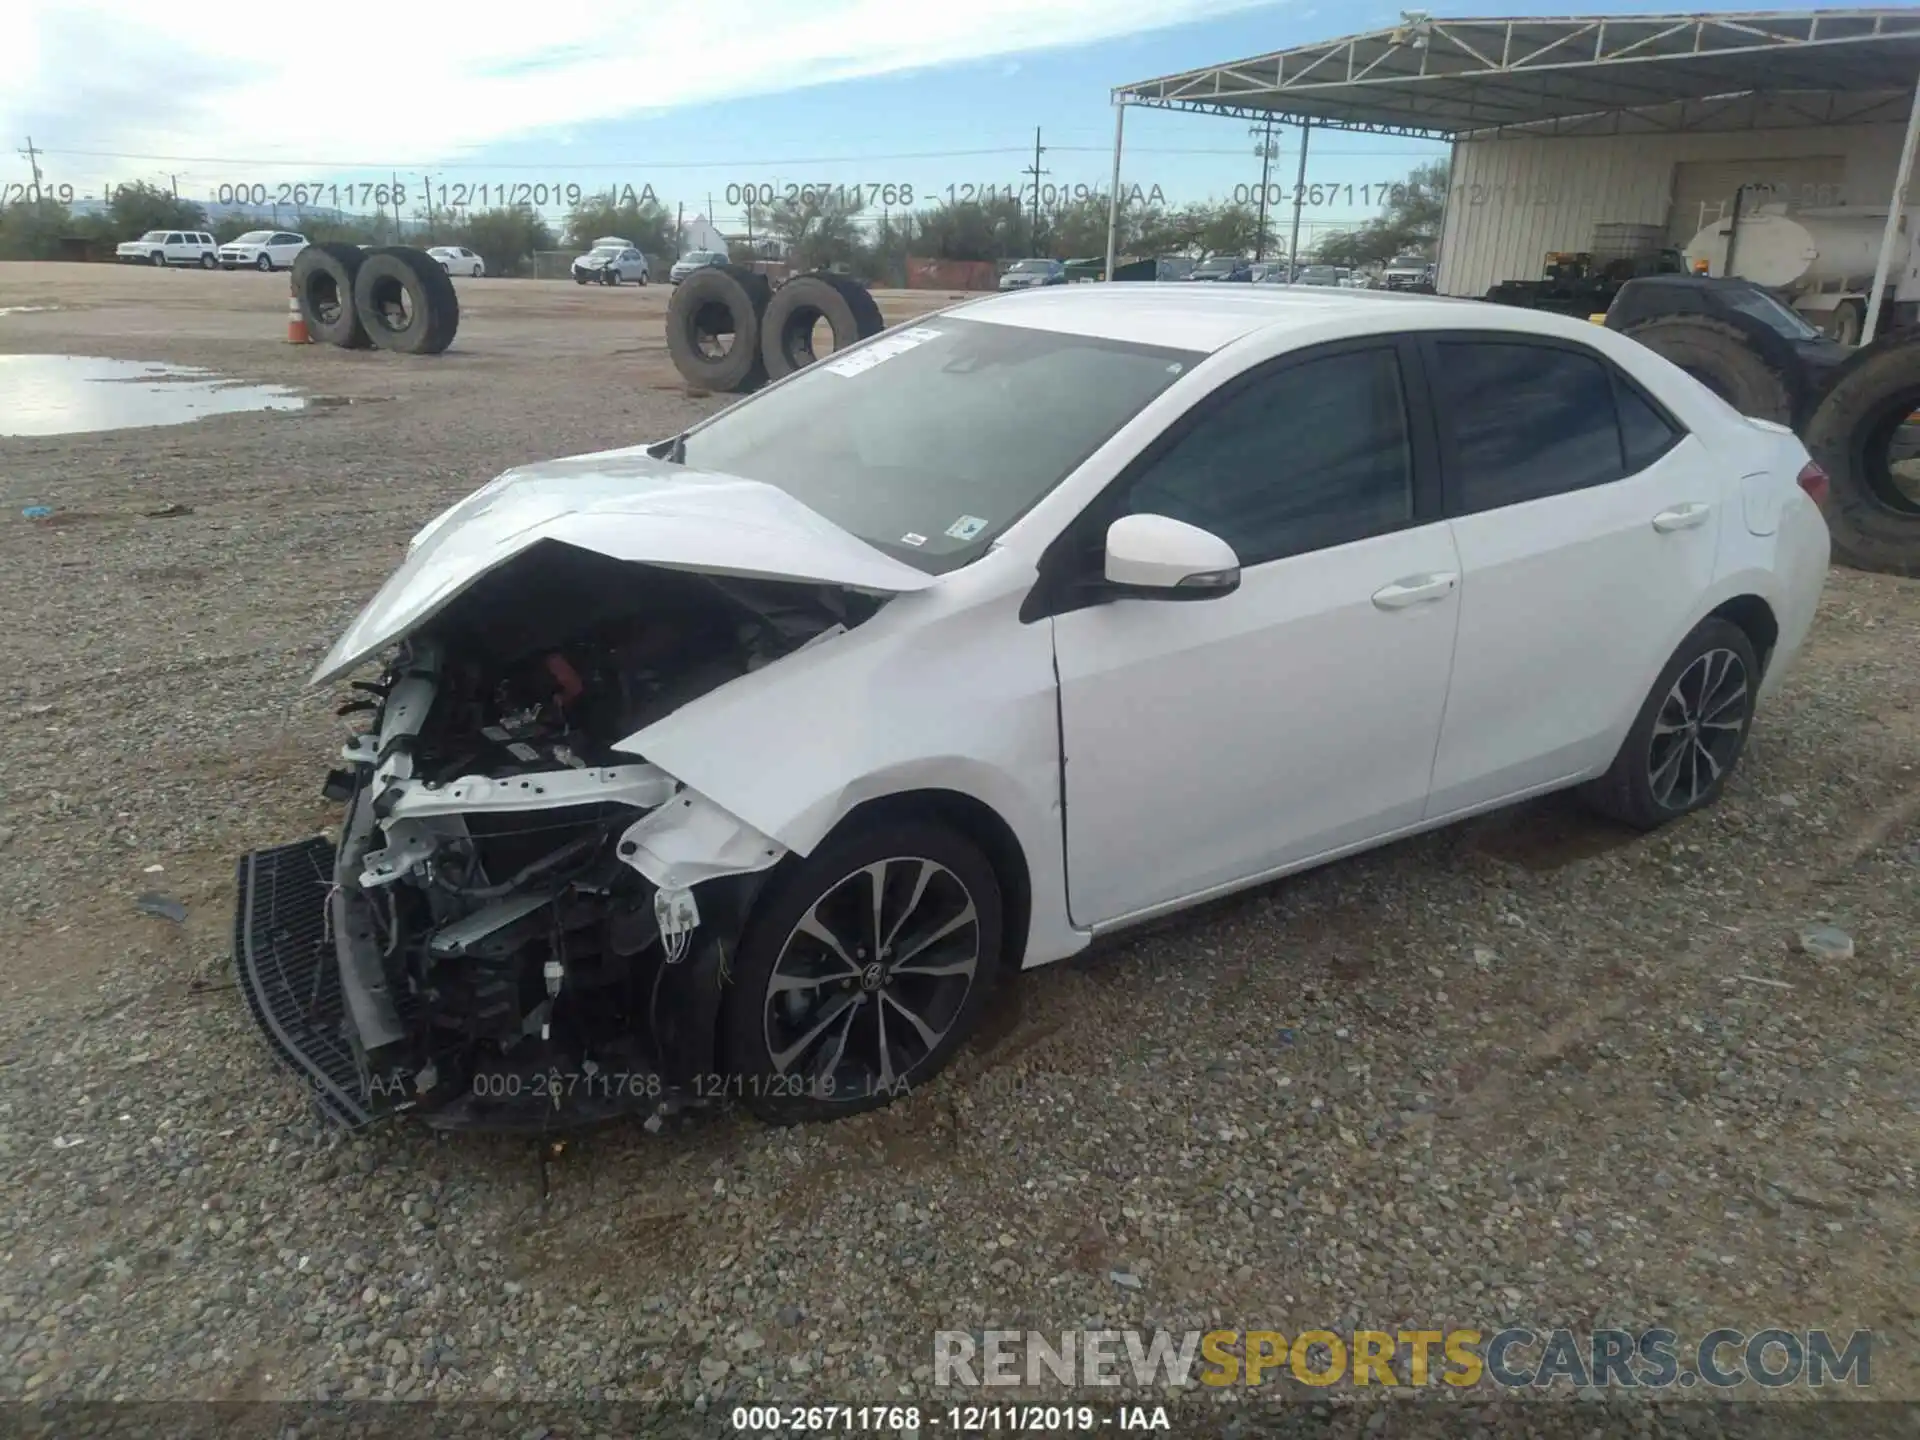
x,y
1163,558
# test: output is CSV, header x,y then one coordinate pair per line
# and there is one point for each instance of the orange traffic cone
x,y
296,322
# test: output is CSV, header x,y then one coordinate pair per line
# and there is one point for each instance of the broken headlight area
x,y
519,925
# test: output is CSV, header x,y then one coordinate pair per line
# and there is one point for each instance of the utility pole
x,y
33,164
426,182
1035,171
679,228
1299,193
1266,151
175,179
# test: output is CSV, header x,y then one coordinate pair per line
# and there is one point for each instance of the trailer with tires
x,y
1821,262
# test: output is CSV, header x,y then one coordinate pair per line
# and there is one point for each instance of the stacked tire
x,y
1861,434
1860,428
729,330
1740,360
393,297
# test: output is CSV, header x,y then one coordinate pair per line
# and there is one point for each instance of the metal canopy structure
x,y
1478,79
1577,75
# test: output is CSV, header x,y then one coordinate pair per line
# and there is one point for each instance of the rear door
x,y
1586,520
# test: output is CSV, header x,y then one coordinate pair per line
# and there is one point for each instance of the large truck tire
x,y
1759,379
323,278
1874,472
787,327
714,328
406,301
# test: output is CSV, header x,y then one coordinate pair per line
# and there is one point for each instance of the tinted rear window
x,y
1525,421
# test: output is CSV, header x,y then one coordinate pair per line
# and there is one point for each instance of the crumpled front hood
x,y
626,505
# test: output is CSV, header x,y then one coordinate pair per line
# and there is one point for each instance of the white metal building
x,y
1562,124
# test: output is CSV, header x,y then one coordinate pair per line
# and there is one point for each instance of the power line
x,y
570,165
632,165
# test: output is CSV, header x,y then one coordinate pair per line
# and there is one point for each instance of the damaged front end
x,y
520,925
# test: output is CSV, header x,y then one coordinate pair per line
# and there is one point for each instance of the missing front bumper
x,y
289,958
290,973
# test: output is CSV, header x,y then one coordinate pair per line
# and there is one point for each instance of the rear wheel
x,y
1689,733
862,972
208,262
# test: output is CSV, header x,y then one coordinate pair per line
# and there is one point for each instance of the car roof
x,y
1207,318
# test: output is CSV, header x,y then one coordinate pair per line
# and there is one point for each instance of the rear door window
x,y
1521,421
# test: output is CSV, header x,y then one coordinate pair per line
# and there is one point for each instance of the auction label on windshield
x,y
882,348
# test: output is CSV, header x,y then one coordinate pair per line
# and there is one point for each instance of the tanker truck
x,y
1821,262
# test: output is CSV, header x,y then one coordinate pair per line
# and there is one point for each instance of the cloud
x,y
353,86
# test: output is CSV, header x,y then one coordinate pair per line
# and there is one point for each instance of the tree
x,y
1077,228
140,207
817,228
973,230
33,229
1230,230
1409,224
505,238
646,222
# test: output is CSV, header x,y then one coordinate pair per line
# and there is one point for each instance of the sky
x,y
703,105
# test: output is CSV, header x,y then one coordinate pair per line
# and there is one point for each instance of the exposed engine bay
x,y
511,907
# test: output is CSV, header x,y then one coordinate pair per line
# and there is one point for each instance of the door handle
x,y
1682,517
1415,590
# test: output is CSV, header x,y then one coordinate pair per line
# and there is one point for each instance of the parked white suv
x,y
262,250
171,247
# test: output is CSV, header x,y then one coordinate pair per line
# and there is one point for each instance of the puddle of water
x,y
70,394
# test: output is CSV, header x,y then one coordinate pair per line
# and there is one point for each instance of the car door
x,y
1587,520
1209,742
176,246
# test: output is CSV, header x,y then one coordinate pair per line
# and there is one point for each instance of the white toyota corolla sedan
x,y
743,765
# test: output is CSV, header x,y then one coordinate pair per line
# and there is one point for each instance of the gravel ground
x,y
1527,1070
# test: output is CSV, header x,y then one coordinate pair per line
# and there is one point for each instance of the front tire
x,y
862,972
1689,734
265,262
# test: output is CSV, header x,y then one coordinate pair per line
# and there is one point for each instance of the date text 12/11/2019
x,y
438,195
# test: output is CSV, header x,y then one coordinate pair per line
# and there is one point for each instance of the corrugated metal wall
x,y
1512,201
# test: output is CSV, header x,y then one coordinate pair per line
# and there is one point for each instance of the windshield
x,y
930,441
1318,272
1771,313
1029,267
154,235
254,237
606,249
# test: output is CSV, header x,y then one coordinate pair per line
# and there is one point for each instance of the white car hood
x,y
626,505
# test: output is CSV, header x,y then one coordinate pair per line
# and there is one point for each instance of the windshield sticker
x,y
912,539
966,527
884,347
